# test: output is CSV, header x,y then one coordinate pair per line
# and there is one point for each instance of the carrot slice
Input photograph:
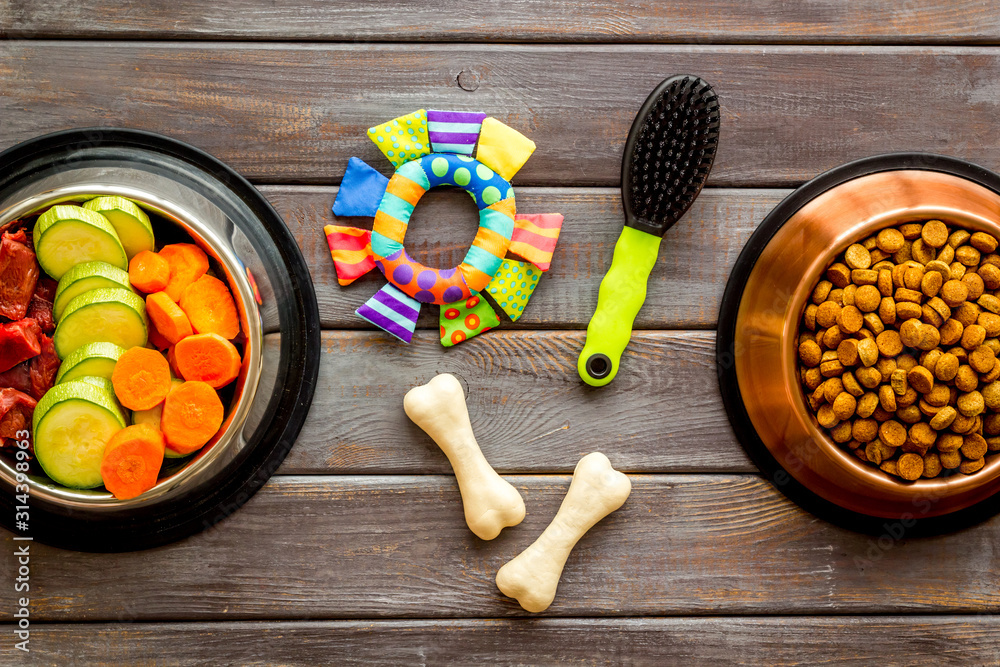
x,y
132,461
209,358
187,263
167,317
148,272
172,361
141,378
155,337
192,414
210,307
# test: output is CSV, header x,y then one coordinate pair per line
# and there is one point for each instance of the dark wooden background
x,y
356,552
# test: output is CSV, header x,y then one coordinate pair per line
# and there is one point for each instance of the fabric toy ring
x,y
493,195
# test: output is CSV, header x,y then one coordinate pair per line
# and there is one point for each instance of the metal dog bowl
x,y
191,196
759,323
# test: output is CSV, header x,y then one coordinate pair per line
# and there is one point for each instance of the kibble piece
x,y
931,283
930,337
889,343
908,295
866,405
953,292
939,266
832,338
944,418
851,385
906,361
974,446
989,302
877,256
973,336
932,465
827,313
863,277
887,398
844,406
809,318
848,295
958,237
910,466
993,444
826,417
881,415
982,359
890,467
951,332
913,277
983,242
969,467
885,367
990,323
812,378
991,396
931,316
906,310
938,397
950,460
873,452
930,358
949,442
910,414
832,388
911,230
946,367
898,381
889,240
965,254
990,275
974,283
991,424
857,257
971,404
867,351
922,435
927,409
868,377
860,453
967,313
847,352
991,258
921,379
963,425
922,252
841,433
867,298
934,233
884,282
831,368
945,255
873,323
850,320
892,433
864,430
957,270
909,332
966,379
810,353
991,375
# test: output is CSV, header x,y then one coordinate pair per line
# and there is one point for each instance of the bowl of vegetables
x,y
159,339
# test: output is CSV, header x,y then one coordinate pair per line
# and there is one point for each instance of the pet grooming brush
x,y
667,159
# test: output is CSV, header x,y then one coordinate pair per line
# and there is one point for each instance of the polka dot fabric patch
x,y
513,285
402,139
462,320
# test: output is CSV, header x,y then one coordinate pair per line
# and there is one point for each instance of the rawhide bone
x,y
491,504
596,491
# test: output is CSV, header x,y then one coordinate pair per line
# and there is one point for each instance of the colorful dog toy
x,y
431,149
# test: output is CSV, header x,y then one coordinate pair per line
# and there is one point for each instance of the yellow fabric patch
x,y
503,149
513,285
403,139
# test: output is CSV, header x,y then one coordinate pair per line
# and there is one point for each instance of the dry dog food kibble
x,y
898,350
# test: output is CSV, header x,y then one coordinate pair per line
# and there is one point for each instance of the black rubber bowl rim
x,y
296,393
908,525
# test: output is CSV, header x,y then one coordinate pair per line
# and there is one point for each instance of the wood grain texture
x,y
378,547
891,641
295,113
825,21
529,409
684,289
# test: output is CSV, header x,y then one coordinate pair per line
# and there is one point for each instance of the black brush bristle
x,y
669,152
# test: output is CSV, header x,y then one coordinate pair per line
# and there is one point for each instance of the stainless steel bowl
x,y
247,242
759,324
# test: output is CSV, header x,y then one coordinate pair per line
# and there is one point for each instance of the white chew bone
x,y
596,491
491,504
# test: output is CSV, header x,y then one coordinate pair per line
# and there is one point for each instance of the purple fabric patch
x,y
455,116
453,138
447,273
426,279
384,323
395,304
423,296
403,274
452,294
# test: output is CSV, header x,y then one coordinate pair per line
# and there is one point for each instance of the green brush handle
x,y
623,291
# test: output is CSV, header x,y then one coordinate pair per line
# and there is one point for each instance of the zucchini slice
x,y
69,235
92,359
130,221
101,316
72,424
83,278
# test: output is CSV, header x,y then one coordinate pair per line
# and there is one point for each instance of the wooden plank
x,y
684,290
867,21
377,547
529,409
295,113
784,641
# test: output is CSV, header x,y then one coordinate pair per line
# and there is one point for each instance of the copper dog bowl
x,y
759,323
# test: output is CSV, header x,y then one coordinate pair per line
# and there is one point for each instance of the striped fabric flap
x,y
454,131
392,311
535,236
351,249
